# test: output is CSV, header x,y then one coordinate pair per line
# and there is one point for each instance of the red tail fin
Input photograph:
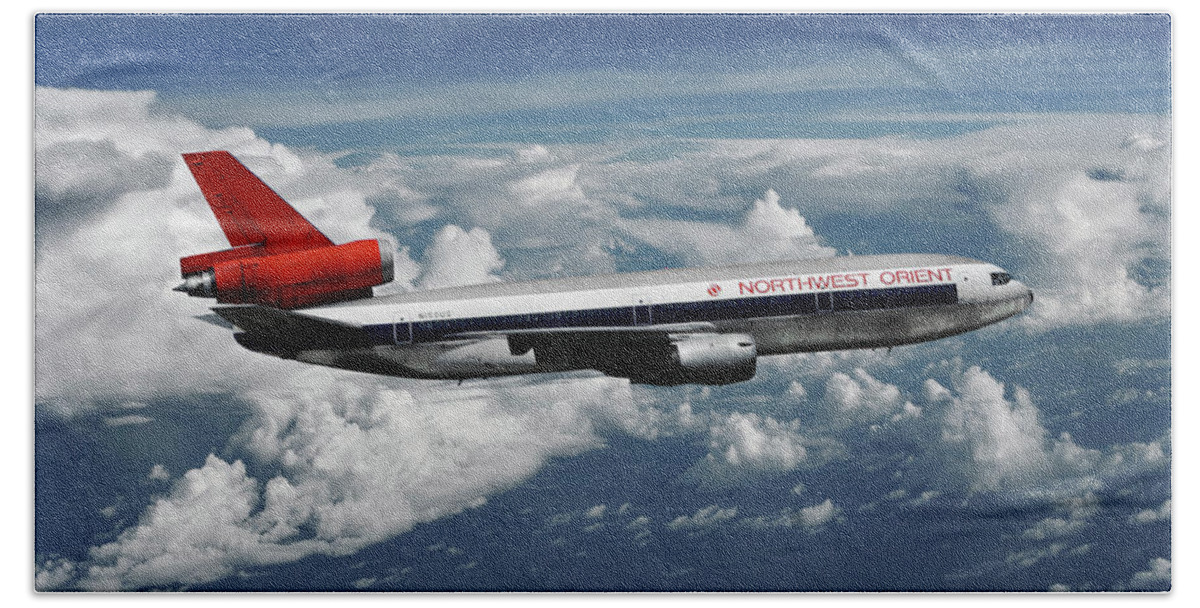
x,y
278,259
249,211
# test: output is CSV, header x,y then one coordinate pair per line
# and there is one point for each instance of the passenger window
x,y
1001,278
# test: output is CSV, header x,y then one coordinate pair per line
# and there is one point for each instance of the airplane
x,y
292,293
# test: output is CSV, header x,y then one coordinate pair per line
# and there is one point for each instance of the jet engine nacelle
x,y
705,359
248,275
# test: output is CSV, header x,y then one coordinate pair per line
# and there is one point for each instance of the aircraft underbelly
x,y
870,329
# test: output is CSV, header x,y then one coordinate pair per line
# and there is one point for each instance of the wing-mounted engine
x,y
289,280
647,357
278,259
702,359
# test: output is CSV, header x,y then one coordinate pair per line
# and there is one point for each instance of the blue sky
x,y
365,77
514,147
372,51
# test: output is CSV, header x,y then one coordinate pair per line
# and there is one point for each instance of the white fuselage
x,y
599,322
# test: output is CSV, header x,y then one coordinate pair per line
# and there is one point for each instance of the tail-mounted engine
x,y
279,258
309,277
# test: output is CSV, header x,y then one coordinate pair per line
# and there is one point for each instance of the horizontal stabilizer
x,y
292,329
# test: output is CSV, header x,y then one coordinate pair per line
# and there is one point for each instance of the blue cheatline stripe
x,y
683,312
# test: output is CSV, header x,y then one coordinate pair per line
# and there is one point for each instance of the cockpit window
x,y
1001,278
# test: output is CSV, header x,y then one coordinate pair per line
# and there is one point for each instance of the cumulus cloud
x,y
705,518
1093,250
819,515
1149,516
355,465
743,446
460,257
1156,576
812,519
862,398
994,443
104,286
1055,527
1103,252
1004,439
347,459
52,574
769,231
977,437
1027,558
997,443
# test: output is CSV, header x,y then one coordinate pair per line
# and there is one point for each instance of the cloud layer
x,y
329,461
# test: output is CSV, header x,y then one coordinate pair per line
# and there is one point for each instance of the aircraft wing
x,y
583,332
293,329
593,341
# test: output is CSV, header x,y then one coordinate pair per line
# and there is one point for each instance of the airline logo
x,y
845,280
714,290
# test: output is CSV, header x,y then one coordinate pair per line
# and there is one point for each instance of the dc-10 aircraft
x,y
292,293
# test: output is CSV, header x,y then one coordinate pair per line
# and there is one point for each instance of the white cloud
x,y
745,445
52,574
707,517
1004,440
925,498
131,419
909,412
356,465
1027,558
104,285
459,257
1149,516
993,443
861,398
1085,212
325,439
769,231
1158,573
352,459
1054,527
158,473
819,515
1094,234
187,537
812,518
